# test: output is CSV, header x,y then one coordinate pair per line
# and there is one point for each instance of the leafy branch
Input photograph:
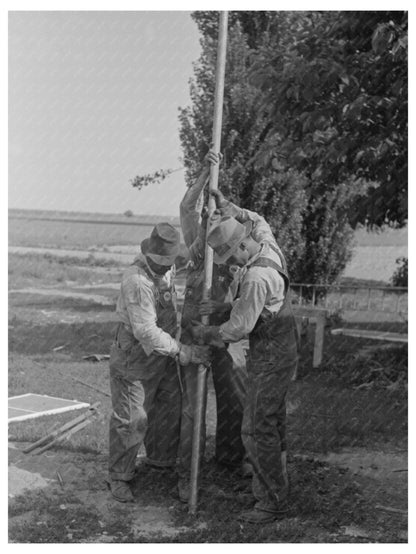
x,y
141,181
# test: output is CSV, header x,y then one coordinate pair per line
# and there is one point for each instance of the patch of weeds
x,y
326,494
73,524
43,501
330,415
28,269
380,365
80,338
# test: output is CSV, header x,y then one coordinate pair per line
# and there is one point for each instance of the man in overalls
x,y
145,388
262,311
229,384
228,371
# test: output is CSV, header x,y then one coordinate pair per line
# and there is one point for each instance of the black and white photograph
x,y
207,274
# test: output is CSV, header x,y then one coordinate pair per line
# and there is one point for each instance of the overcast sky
x,y
93,100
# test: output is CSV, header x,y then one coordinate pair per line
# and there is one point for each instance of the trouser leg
x,y
264,432
128,424
163,408
230,390
189,375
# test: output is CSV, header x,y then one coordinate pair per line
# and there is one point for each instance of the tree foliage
x,y
314,130
337,96
399,278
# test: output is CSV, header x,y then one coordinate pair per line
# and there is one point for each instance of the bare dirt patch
x,y
82,479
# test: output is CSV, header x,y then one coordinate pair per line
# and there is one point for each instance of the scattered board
x,y
370,334
29,406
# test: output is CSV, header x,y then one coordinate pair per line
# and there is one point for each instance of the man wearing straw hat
x,y
262,311
228,362
145,387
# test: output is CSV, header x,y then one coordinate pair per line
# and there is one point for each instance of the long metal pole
x,y
200,409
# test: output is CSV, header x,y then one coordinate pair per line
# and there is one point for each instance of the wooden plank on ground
x,y
371,334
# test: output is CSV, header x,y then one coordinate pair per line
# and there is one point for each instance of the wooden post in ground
x,y
199,414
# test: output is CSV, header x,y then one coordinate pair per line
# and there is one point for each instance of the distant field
x,y
374,256
74,234
78,230
92,217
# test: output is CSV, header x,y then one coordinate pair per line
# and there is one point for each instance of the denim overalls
x,y
271,363
229,382
145,394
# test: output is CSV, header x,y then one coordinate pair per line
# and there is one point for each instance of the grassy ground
x,y
34,269
347,406
374,256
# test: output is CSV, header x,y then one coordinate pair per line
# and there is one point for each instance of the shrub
x,y
399,278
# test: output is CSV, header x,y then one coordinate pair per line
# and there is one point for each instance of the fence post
x,y
383,295
319,339
300,296
397,303
368,298
354,302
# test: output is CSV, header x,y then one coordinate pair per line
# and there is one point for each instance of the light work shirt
x,y
190,218
136,308
262,289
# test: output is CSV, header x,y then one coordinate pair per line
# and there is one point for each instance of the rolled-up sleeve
x,y
190,211
141,308
246,309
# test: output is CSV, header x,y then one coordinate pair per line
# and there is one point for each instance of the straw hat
x,y
226,235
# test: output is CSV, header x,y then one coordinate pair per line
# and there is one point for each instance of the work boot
x,y
266,514
184,489
143,461
120,490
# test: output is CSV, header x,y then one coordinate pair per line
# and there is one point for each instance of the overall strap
x,y
267,262
277,250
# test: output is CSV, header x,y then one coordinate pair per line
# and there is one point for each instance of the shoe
x,y
184,490
120,490
143,461
258,516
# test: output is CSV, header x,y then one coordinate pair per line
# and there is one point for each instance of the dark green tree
x,y
305,121
337,96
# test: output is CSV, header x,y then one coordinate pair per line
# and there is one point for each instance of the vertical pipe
x,y
368,298
199,414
